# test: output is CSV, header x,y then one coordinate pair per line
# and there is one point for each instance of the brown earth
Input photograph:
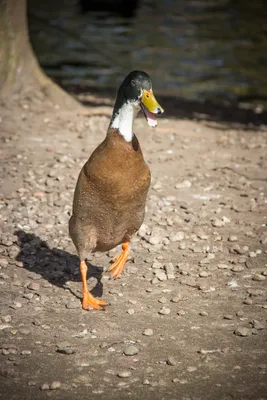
x,y
190,307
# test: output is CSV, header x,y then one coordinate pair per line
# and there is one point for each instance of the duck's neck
x,y
122,119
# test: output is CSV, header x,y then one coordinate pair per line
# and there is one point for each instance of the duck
x,y
111,190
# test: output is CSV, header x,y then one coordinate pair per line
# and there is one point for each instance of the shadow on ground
x,y
55,265
178,107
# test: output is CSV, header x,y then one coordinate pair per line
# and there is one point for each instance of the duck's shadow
x,y
55,265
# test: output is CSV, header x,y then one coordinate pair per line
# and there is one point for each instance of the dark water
x,y
215,50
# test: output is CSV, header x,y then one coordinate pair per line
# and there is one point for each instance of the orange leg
x,y
116,268
89,302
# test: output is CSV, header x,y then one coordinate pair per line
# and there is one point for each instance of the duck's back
x,y
110,195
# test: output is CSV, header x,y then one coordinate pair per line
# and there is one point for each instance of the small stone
x,y
228,316
148,332
240,314
257,324
204,274
131,350
255,292
216,222
237,268
176,236
24,331
31,383
130,311
207,259
146,382
34,286
6,318
65,348
124,374
28,296
72,305
203,313
55,385
258,277
154,240
44,386
248,302
243,331
164,311
191,369
5,325
160,275
185,184
26,352
162,300
177,298
233,238
171,361
223,266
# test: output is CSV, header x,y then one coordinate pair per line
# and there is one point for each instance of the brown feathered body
x,y
110,196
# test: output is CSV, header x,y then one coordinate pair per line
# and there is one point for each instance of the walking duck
x,y
110,194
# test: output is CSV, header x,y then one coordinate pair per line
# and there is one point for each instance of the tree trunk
x,y
20,72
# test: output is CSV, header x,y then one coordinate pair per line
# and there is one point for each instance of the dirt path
x,y
187,318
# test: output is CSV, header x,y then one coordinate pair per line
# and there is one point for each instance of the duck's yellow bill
x,y
150,107
149,101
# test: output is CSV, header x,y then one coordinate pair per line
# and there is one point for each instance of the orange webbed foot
x,y
89,302
116,268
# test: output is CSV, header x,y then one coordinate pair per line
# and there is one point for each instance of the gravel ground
x,y
187,318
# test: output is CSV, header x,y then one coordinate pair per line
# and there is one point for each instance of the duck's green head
x,y
136,89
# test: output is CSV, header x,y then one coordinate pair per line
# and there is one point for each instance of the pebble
x,y
207,259
130,350
45,386
242,331
185,184
148,332
6,318
255,292
228,316
171,361
162,300
204,274
28,296
177,298
233,238
72,305
203,313
26,352
55,385
24,331
124,374
160,275
31,383
237,268
130,311
176,236
154,240
34,286
223,266
164,311
258,277
218,223
257,324
191,369
65,348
